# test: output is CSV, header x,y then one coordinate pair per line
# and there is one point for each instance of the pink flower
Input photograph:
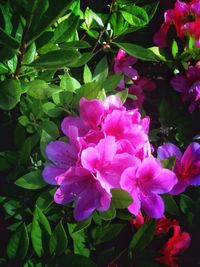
x,y
185,17
178,243
105,163
187,166
145,182
80,186
188,86
123,63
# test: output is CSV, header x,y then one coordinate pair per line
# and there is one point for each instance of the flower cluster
x,y
175,245
189,86
137,85
186,19
108,148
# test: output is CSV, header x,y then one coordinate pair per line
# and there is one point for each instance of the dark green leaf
x,y
10,93
40,232
143,236
58,241
170,205
84,58
18,243
6,39
151,9
55,10
108,215
32,180
137,51
75,261
56,59
120,199
101,70
82,225
112,81
186,203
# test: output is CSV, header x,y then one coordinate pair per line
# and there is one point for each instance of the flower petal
x,y
153,206
168,150
61,154
50,172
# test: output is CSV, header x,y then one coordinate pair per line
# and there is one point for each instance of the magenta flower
x,y
180,17
80,186
103,142
188,86
187,166
123,63
105,163
144,182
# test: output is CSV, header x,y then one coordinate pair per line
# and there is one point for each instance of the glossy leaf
x,y
32,180
120,199
10,93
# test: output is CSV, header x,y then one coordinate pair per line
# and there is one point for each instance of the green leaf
x,y
122,95
81,44
151,9
84,58
10,93
50,132
120,199
19,243
169,162
30,54
40,90
82,225
25,151
65,29
137,51
55,10
58,241
88,90
186,204
135,15
174,49
69,83
108,215
8,40
170,205
101,70
52,110
87,74
32,180
40,232
56,59
112,81
79,239
105,233
143,236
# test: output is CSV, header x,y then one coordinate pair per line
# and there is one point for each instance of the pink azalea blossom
x,y
189,86
123,63
144,182
104,143
187,166
180,17
80,186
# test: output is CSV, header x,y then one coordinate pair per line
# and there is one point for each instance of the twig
x,y
101,33
23,41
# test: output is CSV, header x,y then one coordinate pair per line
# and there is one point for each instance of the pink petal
x,y
91,111
168,150
61,154
153,206
180,83
50,173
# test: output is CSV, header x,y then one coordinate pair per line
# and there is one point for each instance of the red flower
x,y
163,225
186,19
178,243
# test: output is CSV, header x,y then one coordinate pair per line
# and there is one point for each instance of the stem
x,y
23,41
119,256
101,33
